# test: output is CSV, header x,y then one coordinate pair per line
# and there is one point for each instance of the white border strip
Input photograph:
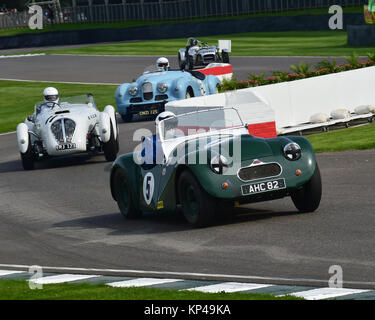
x,y
8,272
140,282
182,274
61,278
229,287
326,293
67,82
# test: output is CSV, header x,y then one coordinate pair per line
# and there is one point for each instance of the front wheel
x,y
308,198
28,158
197,205
111,147
123,194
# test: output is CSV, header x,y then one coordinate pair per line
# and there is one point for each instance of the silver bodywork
x,y
200,55
71,126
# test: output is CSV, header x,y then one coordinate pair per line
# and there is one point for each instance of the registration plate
x,y
66,146
148,112
263,186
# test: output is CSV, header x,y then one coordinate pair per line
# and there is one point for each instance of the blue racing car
x,y
152,90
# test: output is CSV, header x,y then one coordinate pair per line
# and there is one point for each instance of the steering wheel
x,y
52,104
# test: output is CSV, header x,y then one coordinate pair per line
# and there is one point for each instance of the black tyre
x,y
127,117
225,57
111,147
28,158
124,196
198,207
308,198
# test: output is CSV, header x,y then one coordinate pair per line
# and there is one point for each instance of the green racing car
x,y
208,160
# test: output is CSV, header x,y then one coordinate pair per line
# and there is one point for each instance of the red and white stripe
x,y
221,70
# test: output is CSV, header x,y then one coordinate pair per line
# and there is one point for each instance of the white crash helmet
x,y
164,115
51,95
162,63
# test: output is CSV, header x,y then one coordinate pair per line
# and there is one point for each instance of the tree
x,y
11,4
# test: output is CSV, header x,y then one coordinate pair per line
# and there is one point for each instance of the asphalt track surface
x,y
62,215
119,69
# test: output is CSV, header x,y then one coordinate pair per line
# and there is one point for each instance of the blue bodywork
x,y
150,101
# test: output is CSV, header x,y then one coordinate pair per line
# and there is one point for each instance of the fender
x,y
182,86
112,114
104,126
23,137
119,96
126,163
213,81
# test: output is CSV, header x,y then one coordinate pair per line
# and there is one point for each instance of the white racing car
x,y
74,125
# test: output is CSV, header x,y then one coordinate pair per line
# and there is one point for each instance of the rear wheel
x,y
308,198
225,57
111,147
197,205
28,158
124,195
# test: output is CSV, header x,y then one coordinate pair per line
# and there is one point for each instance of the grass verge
x,y
127,24
357,138
19,290
289,43
17,99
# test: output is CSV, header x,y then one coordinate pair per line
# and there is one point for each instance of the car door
x,y
150,182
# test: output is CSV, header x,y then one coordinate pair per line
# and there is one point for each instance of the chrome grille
x,y
147,91
259,171
63,130
209,58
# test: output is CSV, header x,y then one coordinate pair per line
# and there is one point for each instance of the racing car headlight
x,y
219,164
292,151
162,87
133,91
69,126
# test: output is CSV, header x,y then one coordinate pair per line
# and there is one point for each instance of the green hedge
x,y
301,71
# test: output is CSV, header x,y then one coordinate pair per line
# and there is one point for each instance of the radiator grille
x,y
259,171
147,91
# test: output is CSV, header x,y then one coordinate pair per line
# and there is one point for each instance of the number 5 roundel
x,y
148,187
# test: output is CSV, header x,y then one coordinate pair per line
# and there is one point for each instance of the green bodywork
x,y
266,150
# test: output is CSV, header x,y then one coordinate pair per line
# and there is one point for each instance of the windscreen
x,y
200,122
76,101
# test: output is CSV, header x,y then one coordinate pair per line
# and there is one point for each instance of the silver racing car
x,y
197,53
73,125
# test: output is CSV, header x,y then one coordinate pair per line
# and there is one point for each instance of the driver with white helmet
x,y
51,95
152,152
162,64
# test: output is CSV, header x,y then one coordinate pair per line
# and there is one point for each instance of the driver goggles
x,y
163,65
51,98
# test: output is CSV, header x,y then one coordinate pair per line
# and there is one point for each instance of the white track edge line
x,y
6,133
